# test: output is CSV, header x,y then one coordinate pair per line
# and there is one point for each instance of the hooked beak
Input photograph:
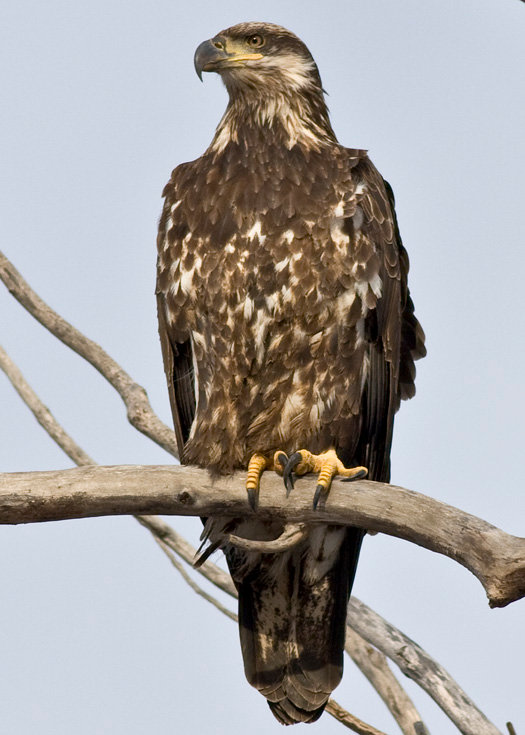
x,y
211,55
208,56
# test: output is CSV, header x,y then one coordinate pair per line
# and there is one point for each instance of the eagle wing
x,y
180,377
394,337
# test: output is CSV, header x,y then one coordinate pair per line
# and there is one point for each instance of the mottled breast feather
x,y
279,270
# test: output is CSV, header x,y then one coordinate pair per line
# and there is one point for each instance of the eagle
x,y
289,338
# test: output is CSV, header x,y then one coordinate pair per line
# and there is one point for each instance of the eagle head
x,y
261,57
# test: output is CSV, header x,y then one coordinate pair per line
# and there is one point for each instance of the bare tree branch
x,y
375,667
186,551
194,586
42,414
496,558
415,663
353,723
139,412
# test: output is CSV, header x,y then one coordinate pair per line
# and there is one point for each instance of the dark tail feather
x,y
292,619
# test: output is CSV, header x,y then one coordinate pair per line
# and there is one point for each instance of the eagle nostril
x,y
219,45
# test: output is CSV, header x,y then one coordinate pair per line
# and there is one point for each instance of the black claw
x,y
282,459
291,464
319,491
359,476
252,497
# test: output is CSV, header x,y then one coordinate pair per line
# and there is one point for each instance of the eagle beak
x,y
209,55
212,55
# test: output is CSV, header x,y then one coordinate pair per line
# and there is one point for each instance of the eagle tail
x,y
292,619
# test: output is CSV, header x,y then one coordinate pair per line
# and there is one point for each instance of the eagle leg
x,y
327,465
256,466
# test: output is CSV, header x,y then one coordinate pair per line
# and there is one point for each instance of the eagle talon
x,y
293,461
280,458
253,496
319,490
358,476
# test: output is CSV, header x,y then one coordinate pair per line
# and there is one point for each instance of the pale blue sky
x,y
100,101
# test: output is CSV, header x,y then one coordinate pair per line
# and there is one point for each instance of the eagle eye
x,y
255,41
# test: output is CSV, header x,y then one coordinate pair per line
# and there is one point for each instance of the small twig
x,y
353,723
194,586
186,551
292,534
375,667
510,728
139,411
42,414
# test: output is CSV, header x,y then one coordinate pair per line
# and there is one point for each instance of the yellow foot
x,y
327,465
256,466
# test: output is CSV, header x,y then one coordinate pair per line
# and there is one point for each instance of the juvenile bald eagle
x,y
289,338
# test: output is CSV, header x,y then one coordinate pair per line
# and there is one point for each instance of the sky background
x,y
99,102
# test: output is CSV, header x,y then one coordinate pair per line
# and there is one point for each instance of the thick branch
x,y
496,558
140,414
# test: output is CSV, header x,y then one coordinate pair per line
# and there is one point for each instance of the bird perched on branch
x,y
289,338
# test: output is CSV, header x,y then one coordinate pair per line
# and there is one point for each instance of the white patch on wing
x,y
229,248
175,205
259,330
343,304
362,289
289,236
256,231
341,239
340,209
248,308
376,284
287,294
358,218
272,302
186,278
281,265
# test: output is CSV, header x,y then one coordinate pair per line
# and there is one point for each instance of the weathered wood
x,y
496,558
139,411
375,667
415,663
